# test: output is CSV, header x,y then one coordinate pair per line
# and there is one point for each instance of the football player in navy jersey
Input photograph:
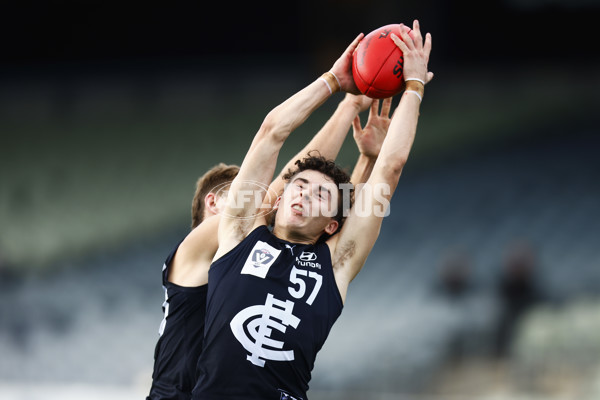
x,y
185,272
273,296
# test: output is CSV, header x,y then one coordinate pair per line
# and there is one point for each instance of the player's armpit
x,y
352,245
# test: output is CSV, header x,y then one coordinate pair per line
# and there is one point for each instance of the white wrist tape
x,y
415,79
415,93
327,84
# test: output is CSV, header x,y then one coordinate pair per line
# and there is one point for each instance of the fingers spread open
x,y
399,43
427,46
386,106
415,34
408,41
374,108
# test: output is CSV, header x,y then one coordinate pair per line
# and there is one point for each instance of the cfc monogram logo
x,y
252,327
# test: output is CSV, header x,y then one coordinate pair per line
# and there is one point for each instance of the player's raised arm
x,y
190,265
257,169
330,138
370,138
353,244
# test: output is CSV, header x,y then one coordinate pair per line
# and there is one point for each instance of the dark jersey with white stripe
x,y
181,335
270,307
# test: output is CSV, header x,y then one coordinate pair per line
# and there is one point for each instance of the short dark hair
x,y
220,176
316,162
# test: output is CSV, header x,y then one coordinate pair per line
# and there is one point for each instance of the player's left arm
x,y
352,245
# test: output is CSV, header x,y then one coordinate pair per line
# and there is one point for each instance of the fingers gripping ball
x,y
377,63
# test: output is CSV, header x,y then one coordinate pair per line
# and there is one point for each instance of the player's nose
x,y
306,192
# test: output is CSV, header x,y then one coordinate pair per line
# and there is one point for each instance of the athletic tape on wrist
x,y
415,79
326,84
331,81
336,79
415,93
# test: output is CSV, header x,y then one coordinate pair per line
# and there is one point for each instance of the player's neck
x,y
292,236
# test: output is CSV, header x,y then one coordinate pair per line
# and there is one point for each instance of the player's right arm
x,y
194,256
328,142
257,169
330,138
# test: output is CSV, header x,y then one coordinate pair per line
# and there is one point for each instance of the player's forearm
x,y
290,114
400,137
362,170
330,138
260,161
327,141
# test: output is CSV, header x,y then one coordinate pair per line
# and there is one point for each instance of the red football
x,y
377,63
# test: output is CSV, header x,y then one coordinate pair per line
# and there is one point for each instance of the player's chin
x,y
295,220
316,224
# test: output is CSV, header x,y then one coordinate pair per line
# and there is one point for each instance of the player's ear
x,y
276,205
210,203
332,227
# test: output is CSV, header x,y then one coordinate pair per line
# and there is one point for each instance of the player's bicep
x,y
244,201
202,242
195,252
354,243
361,229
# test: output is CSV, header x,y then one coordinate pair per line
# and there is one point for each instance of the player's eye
x,y
322,194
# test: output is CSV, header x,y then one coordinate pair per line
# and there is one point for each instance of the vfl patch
x,y
260,259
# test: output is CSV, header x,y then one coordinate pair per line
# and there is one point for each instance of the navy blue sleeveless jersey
x,y
270,307
180,343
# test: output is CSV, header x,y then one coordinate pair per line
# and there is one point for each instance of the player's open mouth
x,y
297,208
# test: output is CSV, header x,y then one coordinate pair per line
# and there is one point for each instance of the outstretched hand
x,y
342,68
370,138
415,52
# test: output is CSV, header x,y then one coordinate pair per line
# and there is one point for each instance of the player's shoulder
x,y
195,253
207,226
206,230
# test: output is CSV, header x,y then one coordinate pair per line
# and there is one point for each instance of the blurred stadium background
x,y
485,281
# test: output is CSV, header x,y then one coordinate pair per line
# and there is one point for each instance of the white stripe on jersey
x,y
165,307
